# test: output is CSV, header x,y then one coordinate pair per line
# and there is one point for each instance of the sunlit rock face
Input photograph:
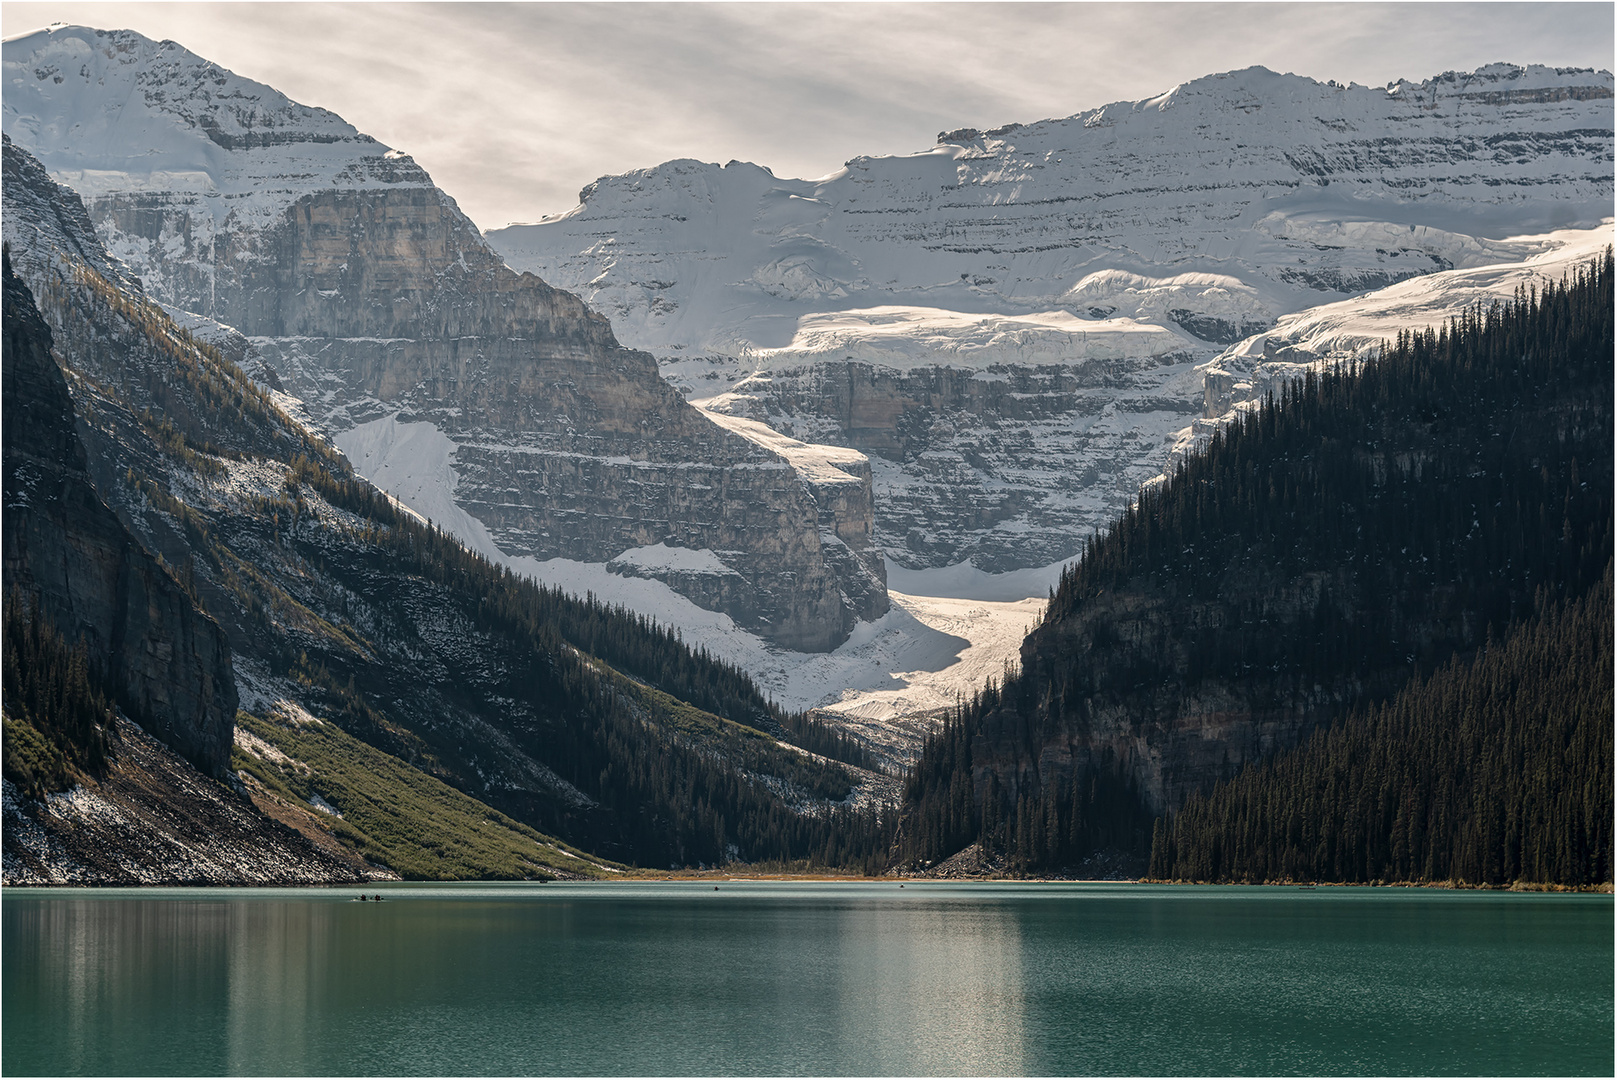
x,y
1007,322
364,291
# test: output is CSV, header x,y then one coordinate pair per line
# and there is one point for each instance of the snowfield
x,y
1227,201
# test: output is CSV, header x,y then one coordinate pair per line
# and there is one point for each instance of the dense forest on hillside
x,y
1489,772
673,782
1369,524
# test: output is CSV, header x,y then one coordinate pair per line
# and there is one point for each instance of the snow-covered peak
x,y
113,112
1288,97
1239,195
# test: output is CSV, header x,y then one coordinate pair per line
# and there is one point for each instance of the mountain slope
x,y
89,796
166,662
1489,773
340,604
368,295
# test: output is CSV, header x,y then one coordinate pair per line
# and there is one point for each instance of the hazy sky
x,y
513,107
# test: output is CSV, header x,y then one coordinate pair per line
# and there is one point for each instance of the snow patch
x,y
666,558
905,338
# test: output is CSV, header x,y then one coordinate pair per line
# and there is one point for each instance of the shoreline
x,y
830,877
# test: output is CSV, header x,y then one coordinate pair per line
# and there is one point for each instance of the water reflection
x,y
279,956
803,980
933,987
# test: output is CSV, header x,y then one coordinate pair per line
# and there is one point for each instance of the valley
x,y
729,518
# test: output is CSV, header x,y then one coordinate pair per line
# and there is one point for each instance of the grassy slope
x,y
395,814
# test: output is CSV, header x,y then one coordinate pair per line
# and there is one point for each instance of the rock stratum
x,y
1009,323
362,290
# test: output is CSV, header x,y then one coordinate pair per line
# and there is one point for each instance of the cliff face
x,y
65,550
368,295
566,445
1007,467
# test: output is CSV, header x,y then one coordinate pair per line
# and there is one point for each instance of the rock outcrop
x,y
369,295
169,663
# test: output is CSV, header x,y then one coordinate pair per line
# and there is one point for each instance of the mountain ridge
x,y
342,608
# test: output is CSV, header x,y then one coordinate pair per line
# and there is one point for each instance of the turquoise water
x,y
788,978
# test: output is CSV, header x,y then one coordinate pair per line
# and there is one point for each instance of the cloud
x,y
514,107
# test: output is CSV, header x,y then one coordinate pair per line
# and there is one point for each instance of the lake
x,y
806,978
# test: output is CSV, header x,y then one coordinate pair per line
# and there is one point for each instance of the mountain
x,y
388,693
1008,323
363,291
169,662
1366,526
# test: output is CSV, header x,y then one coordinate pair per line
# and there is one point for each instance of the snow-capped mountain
x,y
1230,199
1008,322
503,406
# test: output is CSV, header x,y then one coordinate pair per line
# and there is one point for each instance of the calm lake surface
x,y
806,978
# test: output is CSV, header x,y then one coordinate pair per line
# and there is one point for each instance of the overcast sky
x,y
513,107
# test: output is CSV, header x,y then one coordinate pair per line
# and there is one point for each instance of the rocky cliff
x,y
1106,251
64,549
1005,467
372,298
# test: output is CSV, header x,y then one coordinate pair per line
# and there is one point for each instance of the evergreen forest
x,y
1369,526
1489,772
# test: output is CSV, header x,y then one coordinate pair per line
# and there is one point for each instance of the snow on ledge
x,y
814,461
663,558
906,338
